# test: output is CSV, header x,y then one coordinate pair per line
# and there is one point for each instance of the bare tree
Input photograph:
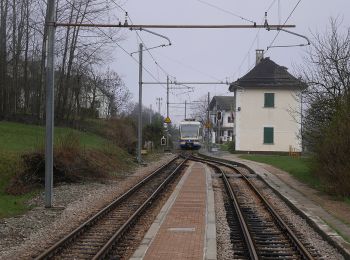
x,y
200,111
327,74
79,51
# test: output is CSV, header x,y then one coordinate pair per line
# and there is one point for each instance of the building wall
x,y
224,124
251,118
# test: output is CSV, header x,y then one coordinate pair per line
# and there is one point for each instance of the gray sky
x,y
214,54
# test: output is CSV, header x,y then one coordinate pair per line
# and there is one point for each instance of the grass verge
x,y
11,205
78,156
22,137
300,168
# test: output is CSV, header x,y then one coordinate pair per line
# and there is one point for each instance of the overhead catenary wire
x,y
190,67
226,11
116,43
146,48
254,40
289,16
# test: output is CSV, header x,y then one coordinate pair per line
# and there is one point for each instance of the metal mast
x,y
49,133
139,140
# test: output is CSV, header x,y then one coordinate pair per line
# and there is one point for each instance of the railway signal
x,y
163,141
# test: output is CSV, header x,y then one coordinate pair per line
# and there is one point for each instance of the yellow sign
x,y
208,125
167,120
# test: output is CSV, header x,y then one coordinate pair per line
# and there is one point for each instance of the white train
x,y
189,134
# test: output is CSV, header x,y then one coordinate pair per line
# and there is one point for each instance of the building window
x,y
229,119
268,135
229,132
269,100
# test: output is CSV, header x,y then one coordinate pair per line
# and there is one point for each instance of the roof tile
x,y
268,74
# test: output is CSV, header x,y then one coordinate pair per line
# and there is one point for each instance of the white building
x,y
222,130
266,109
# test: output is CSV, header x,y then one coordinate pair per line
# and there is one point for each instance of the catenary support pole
x,y
159,104
150,114
208,126
139,140
49,131
167,111
185,109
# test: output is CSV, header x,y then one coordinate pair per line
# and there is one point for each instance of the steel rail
x,y
79,230
104,251
244,227
296,242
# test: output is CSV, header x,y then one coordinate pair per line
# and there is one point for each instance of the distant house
x,y
265,108
222,130
97,102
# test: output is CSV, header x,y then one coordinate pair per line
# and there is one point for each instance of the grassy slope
x,y
298,167
17,138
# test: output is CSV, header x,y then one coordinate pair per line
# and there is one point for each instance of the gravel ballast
x,y
223,241
299,225
25,236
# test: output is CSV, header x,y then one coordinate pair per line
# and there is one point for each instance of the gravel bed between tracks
x,y
133,238
25,236
223,241
299,225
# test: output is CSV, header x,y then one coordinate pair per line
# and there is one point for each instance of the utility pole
x,y
150,114
49,133
139,139
301,121
167,111
208,124
159,102
185,109
167,96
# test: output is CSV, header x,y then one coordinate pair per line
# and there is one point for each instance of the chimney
x,y
259,56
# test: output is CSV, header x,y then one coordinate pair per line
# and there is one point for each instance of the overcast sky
x,y
214,54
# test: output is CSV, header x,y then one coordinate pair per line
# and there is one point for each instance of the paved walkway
x,y
301,196
185,227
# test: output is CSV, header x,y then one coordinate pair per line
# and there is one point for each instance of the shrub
x,y
71,164
231,147
333,153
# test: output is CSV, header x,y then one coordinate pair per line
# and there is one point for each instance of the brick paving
x,y
182,234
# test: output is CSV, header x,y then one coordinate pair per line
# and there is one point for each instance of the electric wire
x,y
226,11
123,49
190,67
253,42
274,39
147,49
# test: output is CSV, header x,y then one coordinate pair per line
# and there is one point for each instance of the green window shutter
x,y
269,100
268,135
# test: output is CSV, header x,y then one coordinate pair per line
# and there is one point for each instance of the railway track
x,y
104,232
257,231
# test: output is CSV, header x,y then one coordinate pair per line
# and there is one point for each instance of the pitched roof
x,y
268,74
222,102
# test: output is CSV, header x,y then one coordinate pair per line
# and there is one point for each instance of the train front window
x,y
189,131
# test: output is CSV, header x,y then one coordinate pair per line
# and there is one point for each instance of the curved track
x,y
260,231
99,235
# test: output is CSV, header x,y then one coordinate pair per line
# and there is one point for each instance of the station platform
x,y
185,227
